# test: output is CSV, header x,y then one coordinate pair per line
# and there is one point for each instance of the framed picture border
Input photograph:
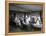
x,y
7,17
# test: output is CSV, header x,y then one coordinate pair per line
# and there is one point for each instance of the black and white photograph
x,y
25,17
